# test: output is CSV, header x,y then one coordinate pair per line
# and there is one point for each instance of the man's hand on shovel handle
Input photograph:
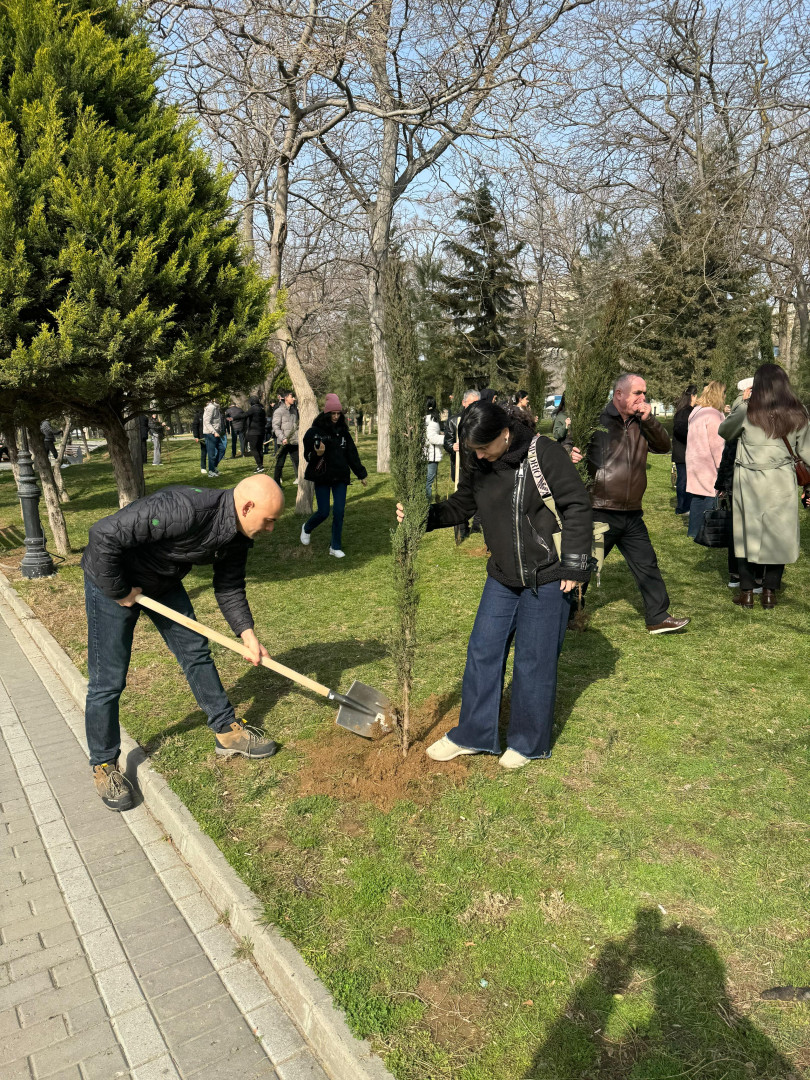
x,y
257,650
131,600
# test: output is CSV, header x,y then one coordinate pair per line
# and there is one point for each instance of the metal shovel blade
x,y
373,709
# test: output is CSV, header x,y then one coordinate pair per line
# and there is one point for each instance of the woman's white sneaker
x,y
511,759
337,553
445,750
305,537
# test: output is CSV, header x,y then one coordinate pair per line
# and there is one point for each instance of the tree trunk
x,y
83,431
60,457
307,411
382,374
803,317
56,515
133,432
10,436
121,458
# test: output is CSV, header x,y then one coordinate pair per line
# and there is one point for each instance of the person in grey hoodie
x,y
285,429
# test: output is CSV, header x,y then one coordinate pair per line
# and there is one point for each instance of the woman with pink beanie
x,y
330,454
704,448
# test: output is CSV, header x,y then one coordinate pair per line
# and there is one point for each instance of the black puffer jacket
x,y
236,415
518,526
155,541
340,456
196,425
725,470
255,420
680,433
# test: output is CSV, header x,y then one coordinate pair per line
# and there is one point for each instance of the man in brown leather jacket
x,y
617,464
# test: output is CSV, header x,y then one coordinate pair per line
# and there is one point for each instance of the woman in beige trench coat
x,y
766,505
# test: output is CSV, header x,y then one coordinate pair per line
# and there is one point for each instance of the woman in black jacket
x,y
255,420
527,593
330,453
680,432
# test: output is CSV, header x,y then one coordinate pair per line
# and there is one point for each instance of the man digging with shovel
x,y
147,548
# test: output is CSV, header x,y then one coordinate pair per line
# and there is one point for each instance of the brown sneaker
x,y
244,740
112,786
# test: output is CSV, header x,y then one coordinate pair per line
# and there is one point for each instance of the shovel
x,y
360,710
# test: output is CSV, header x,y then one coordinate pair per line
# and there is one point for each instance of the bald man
x,y
149,547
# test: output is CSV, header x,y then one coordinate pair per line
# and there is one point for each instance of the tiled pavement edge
x,y
122,848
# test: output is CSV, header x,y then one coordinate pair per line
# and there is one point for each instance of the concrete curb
x,y
301,992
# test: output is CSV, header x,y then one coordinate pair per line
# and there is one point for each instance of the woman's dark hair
x,y
685,400
519,396
561,407
488,396
773,406
481,423
430,408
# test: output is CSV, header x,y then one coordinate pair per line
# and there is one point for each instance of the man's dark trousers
x,y
282,456
109,637
240,435
628,533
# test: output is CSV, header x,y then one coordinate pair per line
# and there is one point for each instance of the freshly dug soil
x,y
352,769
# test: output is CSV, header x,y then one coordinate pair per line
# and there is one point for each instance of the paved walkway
x,y
112,961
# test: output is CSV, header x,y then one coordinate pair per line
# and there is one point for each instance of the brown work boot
x,y
244,740
768,599
112,786
744,598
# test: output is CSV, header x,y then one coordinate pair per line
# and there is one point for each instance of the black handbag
x,y
715,532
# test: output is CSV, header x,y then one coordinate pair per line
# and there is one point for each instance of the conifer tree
x,y
409,475
122,279
480,297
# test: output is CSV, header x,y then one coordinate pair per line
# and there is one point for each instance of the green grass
x,y
613,912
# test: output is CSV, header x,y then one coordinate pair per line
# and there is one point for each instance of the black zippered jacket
x,y
155,541
340,454
518,526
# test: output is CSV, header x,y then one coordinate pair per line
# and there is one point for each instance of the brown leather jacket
x,y
617,459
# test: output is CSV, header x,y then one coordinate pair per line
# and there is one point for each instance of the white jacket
x,y
209,412
434,440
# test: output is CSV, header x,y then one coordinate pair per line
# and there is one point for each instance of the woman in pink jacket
x,y
704,448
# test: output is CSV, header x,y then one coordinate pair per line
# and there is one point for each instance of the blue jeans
x,y
682,497
697,508
109,646
432,472
537,624
216,444
322,492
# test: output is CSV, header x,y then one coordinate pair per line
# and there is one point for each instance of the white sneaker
x,y
445,750
204,472
305,537
212,474
337,553
511,759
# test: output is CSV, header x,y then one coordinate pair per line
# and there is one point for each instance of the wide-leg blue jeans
x,y
322,494
109,646
536,623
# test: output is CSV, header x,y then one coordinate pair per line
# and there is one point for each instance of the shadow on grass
x,y
324,661
656,1006
587,657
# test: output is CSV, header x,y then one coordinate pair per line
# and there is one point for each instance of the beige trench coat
x,y
766,496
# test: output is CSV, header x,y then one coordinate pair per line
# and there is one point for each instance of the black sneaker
x,y
112,786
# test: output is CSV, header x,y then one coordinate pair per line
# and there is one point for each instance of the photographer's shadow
x,y
684,1025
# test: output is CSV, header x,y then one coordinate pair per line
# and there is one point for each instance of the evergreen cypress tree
x,y
122,279
480,298
409,476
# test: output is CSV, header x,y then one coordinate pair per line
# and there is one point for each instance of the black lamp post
x,y
36,562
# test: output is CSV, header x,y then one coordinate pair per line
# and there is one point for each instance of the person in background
x,y
255,423
434,440
330,453
49,438
704,449
156,433
680,434
235,415
285,429
451,445
560,429
489,395
617,465
521,411
197,433
770,426
213,428
527,595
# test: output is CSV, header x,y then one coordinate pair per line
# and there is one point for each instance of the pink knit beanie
x,y
332,404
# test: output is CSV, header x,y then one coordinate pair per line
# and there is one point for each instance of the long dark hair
x,y
430,408
773,406
561,407
481,423
685,400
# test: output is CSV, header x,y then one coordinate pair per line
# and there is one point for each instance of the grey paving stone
x,y
9,1022
45,958
279,1036
71,971
19,947
148,921
205,1053
301,1067
108,1065
188,996
125,894
20,991
139,1035
84,1016
56,935
128,865
153,902
246,986
73,1049
160,936
219,1015
32,1039
72,1072
161,1069
17,1070
119,988
162,957
48,1004
16,929
246,1063
174,976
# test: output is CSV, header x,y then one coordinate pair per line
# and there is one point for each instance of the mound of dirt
x,y
352,769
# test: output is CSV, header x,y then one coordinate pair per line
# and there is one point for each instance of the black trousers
x,y
240,435
627,532
283,452
769,574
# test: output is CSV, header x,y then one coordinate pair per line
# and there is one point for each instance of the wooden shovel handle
x,y
229,643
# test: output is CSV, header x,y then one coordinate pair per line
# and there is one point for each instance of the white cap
x,y
745,384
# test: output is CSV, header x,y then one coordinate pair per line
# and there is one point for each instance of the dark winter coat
x,y
255,420
725,470
197,424
340,456
518,526
617,459
236,415
155,541
680,433
48,433
155,427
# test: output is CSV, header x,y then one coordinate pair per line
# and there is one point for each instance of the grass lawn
x,y
613,912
